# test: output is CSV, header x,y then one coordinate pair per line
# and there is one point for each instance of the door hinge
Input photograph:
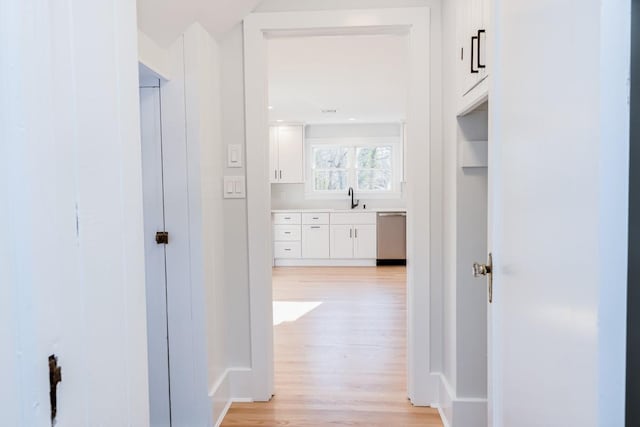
x,y
162,237
55,377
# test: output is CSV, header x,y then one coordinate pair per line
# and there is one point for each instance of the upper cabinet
x,y
286,162
472,28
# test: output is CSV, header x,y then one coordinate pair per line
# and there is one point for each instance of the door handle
x,y
473,44
275,174
281,174
487,271
356,233
480,64
351,233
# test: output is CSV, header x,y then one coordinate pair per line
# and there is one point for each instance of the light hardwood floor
x,y
344,362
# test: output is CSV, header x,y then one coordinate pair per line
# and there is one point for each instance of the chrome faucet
x,y
352,193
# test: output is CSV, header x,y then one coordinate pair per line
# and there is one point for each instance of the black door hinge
x,y
55,376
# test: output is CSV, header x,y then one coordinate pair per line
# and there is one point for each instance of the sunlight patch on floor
x,y
290,311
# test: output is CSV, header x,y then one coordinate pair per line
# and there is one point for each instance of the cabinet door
x,y
365,242
315,241
341,241
468,15
273,154
290,159
483,24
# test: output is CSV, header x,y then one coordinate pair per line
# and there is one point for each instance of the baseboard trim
x,y
325,262
234,385
460,412
223,413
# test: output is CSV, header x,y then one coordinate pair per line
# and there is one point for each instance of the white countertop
x,y
374,210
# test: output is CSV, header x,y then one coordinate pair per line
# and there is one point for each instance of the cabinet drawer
x,y
315,218
287,218
286,232
286,250
353,218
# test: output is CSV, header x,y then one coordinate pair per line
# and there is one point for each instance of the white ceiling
x,y
165,20
363,77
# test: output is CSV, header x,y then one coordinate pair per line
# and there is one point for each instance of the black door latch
x,y
162,237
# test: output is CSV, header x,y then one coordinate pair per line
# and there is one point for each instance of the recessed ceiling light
x,y
280,121
352,119
270,107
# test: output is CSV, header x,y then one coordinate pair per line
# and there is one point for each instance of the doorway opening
x,y
337,108
423,169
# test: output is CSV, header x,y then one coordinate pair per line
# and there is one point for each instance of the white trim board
x,y
424,180
234,385
460,412
286,262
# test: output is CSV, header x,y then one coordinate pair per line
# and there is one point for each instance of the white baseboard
x,y
282,262
460,412
424,389
234,385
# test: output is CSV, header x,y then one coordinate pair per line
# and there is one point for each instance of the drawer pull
x,y
315,226
287,249
315,217
287,217
287,232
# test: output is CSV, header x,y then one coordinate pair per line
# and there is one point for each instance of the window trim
x,y
352,143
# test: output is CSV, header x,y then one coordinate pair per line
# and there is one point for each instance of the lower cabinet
x,y
353,241
342,238
341,241
315,241
365,241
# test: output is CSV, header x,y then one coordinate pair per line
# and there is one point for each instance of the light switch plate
x,y
234,155
234,187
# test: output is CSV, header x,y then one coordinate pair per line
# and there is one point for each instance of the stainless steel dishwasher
x,y
392,238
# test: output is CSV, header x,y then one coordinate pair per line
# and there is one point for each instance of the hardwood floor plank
x,y
343,363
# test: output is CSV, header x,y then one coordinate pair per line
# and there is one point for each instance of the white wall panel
x,y
71,151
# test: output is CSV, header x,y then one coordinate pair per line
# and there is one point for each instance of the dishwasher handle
x,y
392,214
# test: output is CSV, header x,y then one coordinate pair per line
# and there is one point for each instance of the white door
x,y
273,154
341,241
365,241
290,163
155,255
558,177
315,241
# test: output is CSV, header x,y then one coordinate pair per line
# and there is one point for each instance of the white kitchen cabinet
x,y
286,158
324,238
353,235
341,241
364,241
315,241
472,25
287,234
286,250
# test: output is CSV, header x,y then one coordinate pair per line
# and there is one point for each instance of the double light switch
x,y
234,187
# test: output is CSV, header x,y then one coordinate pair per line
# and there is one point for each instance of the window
x,y
367,166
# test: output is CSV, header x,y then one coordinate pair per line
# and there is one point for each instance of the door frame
x,y
422,25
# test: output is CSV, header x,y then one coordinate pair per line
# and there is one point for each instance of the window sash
x,y
352,168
